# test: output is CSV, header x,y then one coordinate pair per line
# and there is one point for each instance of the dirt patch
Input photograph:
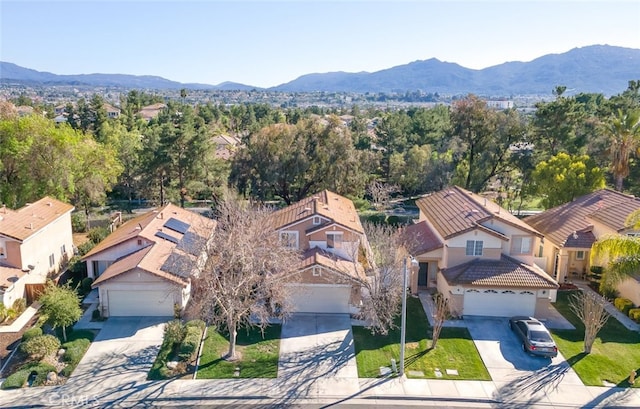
x,y
11,340
79,239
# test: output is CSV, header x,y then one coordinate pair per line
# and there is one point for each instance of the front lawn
x,y
455,349
258,354
615,353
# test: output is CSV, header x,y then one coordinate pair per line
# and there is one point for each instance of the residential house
x,y
226,146
144,267
478,255
327,229
571,229
36,242
112,112
151,111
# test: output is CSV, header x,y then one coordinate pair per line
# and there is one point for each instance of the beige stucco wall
x,y
138,280
327,277
630,288
458,256
115,252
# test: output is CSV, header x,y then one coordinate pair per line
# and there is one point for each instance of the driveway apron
x,y
317,356
119,358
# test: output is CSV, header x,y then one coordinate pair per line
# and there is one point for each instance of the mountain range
x,y
598,68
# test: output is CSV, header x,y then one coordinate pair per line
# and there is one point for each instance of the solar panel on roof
x,y
177,225
167,237
178,265
192,243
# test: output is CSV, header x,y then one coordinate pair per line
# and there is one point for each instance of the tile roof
x,y
327,204
320,257
171,230
581,239
605,206
22,223
455,210
9,275
420,238
505,272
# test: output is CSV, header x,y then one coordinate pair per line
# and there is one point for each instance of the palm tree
x,y
624,130
622,253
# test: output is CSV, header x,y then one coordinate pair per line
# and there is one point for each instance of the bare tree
x,y
440,313
242,281
381,193
589,307
382,257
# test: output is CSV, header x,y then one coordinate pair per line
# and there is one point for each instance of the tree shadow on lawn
x,y
526,390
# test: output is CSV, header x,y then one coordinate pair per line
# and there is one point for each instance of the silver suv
x,y
535,336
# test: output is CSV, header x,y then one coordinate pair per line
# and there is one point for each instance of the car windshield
x,y
540,336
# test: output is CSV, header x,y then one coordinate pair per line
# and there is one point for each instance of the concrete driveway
x,y
120,357
515,373
317,356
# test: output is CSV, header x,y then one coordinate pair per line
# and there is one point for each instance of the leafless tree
x,y
440,313
589,307
241,283
382,257
381,193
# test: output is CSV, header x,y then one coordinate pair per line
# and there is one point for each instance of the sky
x,y
268,43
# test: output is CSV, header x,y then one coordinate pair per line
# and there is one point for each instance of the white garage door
x,y
140,303
315,298
499,303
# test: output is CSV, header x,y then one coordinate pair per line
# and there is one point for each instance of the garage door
x,y
321,298
499,303
140,303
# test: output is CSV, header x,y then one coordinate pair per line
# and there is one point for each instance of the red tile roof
x,y
505,272
318,257
22,223
327,204
9,275
604,206
420,238
454,211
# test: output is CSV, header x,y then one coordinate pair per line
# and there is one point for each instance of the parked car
x,y
535,337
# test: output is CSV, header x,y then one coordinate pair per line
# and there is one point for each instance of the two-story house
x,y
36,242
327,229
144,267
478,255
571,229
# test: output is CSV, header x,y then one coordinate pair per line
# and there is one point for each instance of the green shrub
x,y
31,333
174,332
74,351
158,369
97,234
3,312
196,323
19,305
634,314
40,346
85,285
19,377
78,223
12,314
85,247
623,305
190,343
80,334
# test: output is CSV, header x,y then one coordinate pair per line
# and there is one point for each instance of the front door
x,y
422,274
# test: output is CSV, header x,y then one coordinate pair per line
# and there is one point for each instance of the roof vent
x,y
49,204
575,235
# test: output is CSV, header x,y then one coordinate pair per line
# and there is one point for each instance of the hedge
x,y
31,333
19,377
196,323
189,346
158,369
623,305
634,314
74,351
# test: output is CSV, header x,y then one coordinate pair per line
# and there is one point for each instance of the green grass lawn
x,y
455,349
259,356
615,352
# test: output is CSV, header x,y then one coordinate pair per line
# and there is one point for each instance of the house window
x,y
334,240
52,260
2,253
316,220
317,272
289,239
580,255
474,248
63,250
521,245
139,242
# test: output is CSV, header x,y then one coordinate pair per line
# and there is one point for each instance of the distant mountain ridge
x,y
598,68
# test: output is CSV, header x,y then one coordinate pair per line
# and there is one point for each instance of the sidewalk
x,y
609,307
